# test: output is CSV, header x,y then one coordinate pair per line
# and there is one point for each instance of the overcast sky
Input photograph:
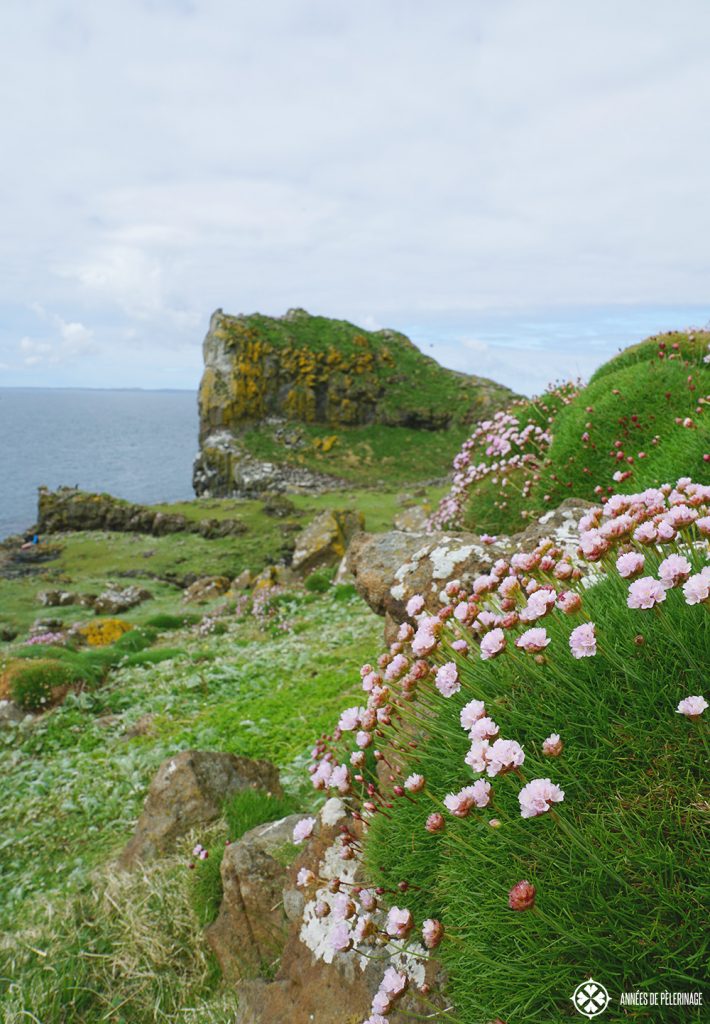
x,y
519,185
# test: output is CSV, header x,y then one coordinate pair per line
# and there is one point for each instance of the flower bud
x,y
435,822
522,896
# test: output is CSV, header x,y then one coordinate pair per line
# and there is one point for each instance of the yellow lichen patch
x,y
104,631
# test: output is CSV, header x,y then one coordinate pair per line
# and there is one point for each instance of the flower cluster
x,y
509,445
525,607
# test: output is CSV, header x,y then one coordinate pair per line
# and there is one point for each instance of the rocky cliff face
x,y
314,370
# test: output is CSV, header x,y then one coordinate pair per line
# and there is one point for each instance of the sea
x,y
133,444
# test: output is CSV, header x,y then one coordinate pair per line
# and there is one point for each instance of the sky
x,y
520,186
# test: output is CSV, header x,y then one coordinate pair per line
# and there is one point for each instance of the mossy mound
x,y
641,420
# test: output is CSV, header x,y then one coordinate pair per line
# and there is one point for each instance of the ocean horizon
x,y
134,443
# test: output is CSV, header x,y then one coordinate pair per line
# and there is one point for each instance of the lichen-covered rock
x,y
189,789
389,568
412,520
57,598
325,540
250,930
115,600
206,589
310,369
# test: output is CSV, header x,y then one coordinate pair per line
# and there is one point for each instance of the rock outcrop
x,y
68,509
251,927
389,568
189,789
308,369
325,540
314,984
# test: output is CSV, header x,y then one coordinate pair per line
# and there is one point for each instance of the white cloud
x,y
382,162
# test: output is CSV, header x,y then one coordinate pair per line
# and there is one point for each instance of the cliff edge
x,y
265,376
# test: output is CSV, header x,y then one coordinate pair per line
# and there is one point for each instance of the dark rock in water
x,y
189,789
308,369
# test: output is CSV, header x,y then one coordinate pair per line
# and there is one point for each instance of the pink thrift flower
x,y
381,1003
340,778
503,756
703,525
461,803
533,640
645,593
303,829
397,667
630,564
552,746
368,900
665,530
350,719
435,822
569,602
447,679
674,570
477,757
340,938
415,605
646,533
692,707
582,641
304,878
470,714
343,907
424,640
432,933
492,644
460,646
696,589
394,983
537,796
484,729
321,776
363,739
399,923
463,612
414,783
364,929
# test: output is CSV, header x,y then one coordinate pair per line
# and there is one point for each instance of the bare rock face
x,y
189,789
250,930
389,568
325,540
